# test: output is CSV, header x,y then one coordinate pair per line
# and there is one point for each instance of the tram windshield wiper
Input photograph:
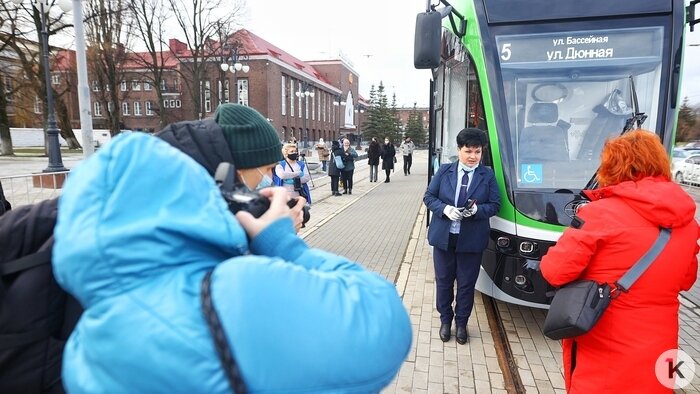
x,y
637,117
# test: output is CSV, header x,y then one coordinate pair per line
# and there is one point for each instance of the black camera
x,y
239,197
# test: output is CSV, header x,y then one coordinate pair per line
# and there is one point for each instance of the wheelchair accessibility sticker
x,y
531,173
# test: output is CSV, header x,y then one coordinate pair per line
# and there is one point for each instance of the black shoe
x,y
350,191
337,194
462,335
445,331
345,191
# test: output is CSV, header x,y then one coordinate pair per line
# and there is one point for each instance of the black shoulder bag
x,y
578,306
228,362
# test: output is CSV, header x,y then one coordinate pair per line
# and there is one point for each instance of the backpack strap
x,y
26,262
221,344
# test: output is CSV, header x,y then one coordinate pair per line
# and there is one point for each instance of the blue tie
x,y
462,199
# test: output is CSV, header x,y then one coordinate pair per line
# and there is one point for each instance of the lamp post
x,y
235,57
55,162
338,103
359,109
306,91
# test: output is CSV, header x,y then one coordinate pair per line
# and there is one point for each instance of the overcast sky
x,y
377,37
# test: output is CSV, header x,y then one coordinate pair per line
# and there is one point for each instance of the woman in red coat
x,y
636,197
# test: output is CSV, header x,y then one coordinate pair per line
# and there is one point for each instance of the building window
x,y
207,96
110,107
149,108
291,97
284,95
125,108
98,108
8,89
163,86
55,79
242,91
137,108
178,103
299,102
135,85
171,103
95,86
122,86
37,105
166,104
147,85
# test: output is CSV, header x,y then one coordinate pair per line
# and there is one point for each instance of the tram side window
x,y
464,106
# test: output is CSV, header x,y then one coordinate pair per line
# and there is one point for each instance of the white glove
x,y
470,212
452,213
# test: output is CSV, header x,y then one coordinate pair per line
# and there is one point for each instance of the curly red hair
x,y
632,156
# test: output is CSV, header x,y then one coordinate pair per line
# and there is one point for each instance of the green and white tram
x,y
549,81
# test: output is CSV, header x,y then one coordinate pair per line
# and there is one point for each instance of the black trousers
x,y
334,182
407,161
347,178
451,266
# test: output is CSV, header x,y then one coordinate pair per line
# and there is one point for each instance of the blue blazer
x,y
474,231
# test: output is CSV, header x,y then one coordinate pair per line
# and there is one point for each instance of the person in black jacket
x,y
333,170
373,154
388,154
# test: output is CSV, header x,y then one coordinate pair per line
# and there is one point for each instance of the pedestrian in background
x,y
374,152
636,197
349,156
388,158
163,284
293,174
333,170
459,233
407,147
323,153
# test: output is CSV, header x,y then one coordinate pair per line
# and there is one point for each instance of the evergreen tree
x,y
414,127
394,122
371,125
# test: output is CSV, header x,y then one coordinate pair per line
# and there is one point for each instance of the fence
x,y
31,188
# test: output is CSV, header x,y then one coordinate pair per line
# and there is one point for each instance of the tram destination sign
x,y
580,46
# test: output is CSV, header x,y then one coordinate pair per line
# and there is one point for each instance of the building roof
x,y
255,45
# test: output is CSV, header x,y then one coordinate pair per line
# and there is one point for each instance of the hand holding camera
x,y
258,204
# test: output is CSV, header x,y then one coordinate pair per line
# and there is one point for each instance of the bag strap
x,y
228,361
631,276
26,262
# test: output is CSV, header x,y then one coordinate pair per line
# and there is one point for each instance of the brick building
x,y
301,99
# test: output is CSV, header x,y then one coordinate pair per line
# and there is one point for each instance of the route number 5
x,y
505,52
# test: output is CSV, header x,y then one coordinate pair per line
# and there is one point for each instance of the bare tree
x,y
149,18
25,21
108,37
201,22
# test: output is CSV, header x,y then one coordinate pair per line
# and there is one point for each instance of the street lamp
x,y
359,109
338,103
55,162
235,57
306,90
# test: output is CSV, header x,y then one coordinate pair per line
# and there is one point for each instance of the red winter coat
x,y
620,224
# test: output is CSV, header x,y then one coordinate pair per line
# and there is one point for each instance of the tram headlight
x,y
527,247
503,242
520,280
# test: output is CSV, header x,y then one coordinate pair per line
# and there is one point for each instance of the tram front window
x,y
564,104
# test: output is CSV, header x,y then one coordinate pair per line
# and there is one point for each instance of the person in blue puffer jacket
x,y
140,224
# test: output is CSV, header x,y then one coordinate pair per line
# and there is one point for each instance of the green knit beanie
x,y
251,138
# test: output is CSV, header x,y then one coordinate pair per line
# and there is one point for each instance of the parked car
x,y
687,170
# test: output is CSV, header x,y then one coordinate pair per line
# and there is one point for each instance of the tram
x,y
549,82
